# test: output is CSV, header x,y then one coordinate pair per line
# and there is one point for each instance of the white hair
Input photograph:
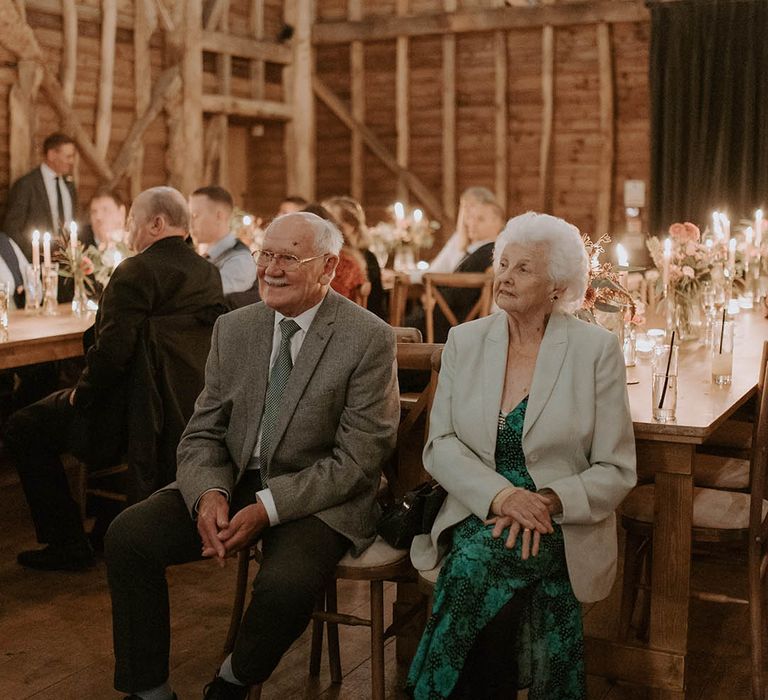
x,y
568,262
327,237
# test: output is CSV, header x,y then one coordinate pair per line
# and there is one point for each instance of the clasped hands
x,y
519,509
224,537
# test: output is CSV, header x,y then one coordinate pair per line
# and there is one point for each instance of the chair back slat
x,y
433,281
405,334
398,296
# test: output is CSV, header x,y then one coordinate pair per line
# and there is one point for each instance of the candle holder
x,y
5,296
628,337
33,292
51,290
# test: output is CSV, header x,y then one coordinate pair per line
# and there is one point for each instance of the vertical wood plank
x,y
257,67
106,75
401,103
289,140
192,92
449,119
501,157
607,129
68,74
547,116
142,79
22,118
357,97
304,126
224,70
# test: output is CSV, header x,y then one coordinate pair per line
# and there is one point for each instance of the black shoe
x,y
58,557
219,689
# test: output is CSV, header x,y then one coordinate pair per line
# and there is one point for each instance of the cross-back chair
x,y
434,282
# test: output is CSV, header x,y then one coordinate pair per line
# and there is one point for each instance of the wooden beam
x,y
419,189
90,12
241,107
357,98
401,102
303,100
497,19
220,175
222,42
547,116
106,75
192,93
21,6
142,81
69,50
167,85
449,119
165,17
21,134
217,12
501,147
257,66
16,35
289,142
607,129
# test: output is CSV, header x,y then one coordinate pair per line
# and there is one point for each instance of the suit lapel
x,y
257,373
548,365
494,368
312,349
42,196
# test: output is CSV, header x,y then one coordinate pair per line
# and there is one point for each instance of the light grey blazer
x,y
577,438
337,426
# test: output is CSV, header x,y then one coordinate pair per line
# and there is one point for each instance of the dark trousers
x,y
299,558
35,436
490,670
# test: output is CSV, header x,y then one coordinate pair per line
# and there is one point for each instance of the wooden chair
x,y
722,520
398,296
404,334
360,294
433,281
379,563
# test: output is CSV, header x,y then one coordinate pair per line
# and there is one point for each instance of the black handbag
x,y
412,515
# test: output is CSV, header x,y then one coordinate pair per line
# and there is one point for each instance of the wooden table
x,y
37,338
666,452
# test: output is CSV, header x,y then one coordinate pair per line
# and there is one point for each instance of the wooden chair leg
x,y
644,626
334,652
633,559
756,621
316,647
243,562
377,640
255,692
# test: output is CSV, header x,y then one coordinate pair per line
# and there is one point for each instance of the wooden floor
x,y
55,633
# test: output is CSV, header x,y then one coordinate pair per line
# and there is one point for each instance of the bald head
x,y
159,212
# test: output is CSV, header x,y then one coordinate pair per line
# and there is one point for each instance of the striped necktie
x,y
278,378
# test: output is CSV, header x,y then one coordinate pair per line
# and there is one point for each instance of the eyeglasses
x,y
285,261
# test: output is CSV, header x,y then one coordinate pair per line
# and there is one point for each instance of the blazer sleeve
x,y
17,213
363,440
592,495
460,470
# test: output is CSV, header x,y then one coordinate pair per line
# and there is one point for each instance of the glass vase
x,y
689,317
405,259
80,299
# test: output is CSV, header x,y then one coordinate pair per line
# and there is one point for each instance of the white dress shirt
x,y
49,178
6,275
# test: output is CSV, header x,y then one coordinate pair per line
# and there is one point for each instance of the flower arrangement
x,y
406,230
75,262
105,261
605,292
689,264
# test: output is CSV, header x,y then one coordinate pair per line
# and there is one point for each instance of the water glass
x,y
664,384
5,296
721,353
33,291
51,290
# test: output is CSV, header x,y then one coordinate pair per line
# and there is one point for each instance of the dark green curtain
x,y
709,109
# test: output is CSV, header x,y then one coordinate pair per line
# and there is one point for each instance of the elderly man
x,y
211,210
45,198
165,279
299,411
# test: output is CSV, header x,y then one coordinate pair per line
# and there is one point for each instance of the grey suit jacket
x,y
578,438
337,426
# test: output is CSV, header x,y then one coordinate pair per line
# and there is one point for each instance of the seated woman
x,y
350,216
531,435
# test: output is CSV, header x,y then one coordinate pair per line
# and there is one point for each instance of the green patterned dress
x,y
480,576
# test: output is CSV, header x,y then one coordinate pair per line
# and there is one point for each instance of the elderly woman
x,y
531,436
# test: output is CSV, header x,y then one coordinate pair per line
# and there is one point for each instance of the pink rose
x,y
685,232
86,265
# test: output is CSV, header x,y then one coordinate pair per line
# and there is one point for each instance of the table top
x,y
37,338
701,405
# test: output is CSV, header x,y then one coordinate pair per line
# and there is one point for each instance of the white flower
x,y
688,271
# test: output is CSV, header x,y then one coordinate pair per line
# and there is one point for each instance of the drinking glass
x,y
51,290
721,353
664,384
33,291
5,295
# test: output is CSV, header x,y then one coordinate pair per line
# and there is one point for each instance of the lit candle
x,y
35,250
623,258
117,259
247,220
731,258
47,250
73,237
758,227
726,226
717,228
399,212
748,234
418,215
667,258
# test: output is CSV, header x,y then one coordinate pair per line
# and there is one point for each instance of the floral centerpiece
x,y
403,236
605,292
685,266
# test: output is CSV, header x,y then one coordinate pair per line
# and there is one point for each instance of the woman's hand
x,y
531,539
529,509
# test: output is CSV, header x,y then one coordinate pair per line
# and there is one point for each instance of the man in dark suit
x,y
45,198
484,223
299,412
166,278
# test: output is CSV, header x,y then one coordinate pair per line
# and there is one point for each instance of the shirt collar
x,y
48,172
222,245
304,319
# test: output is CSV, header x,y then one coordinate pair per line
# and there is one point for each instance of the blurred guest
x,y
483,224
14,270
211,212
531,436
165,278
455,248
350,217
45,198
291,204
107,219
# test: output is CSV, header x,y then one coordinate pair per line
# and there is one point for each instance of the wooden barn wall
x,y
576,132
